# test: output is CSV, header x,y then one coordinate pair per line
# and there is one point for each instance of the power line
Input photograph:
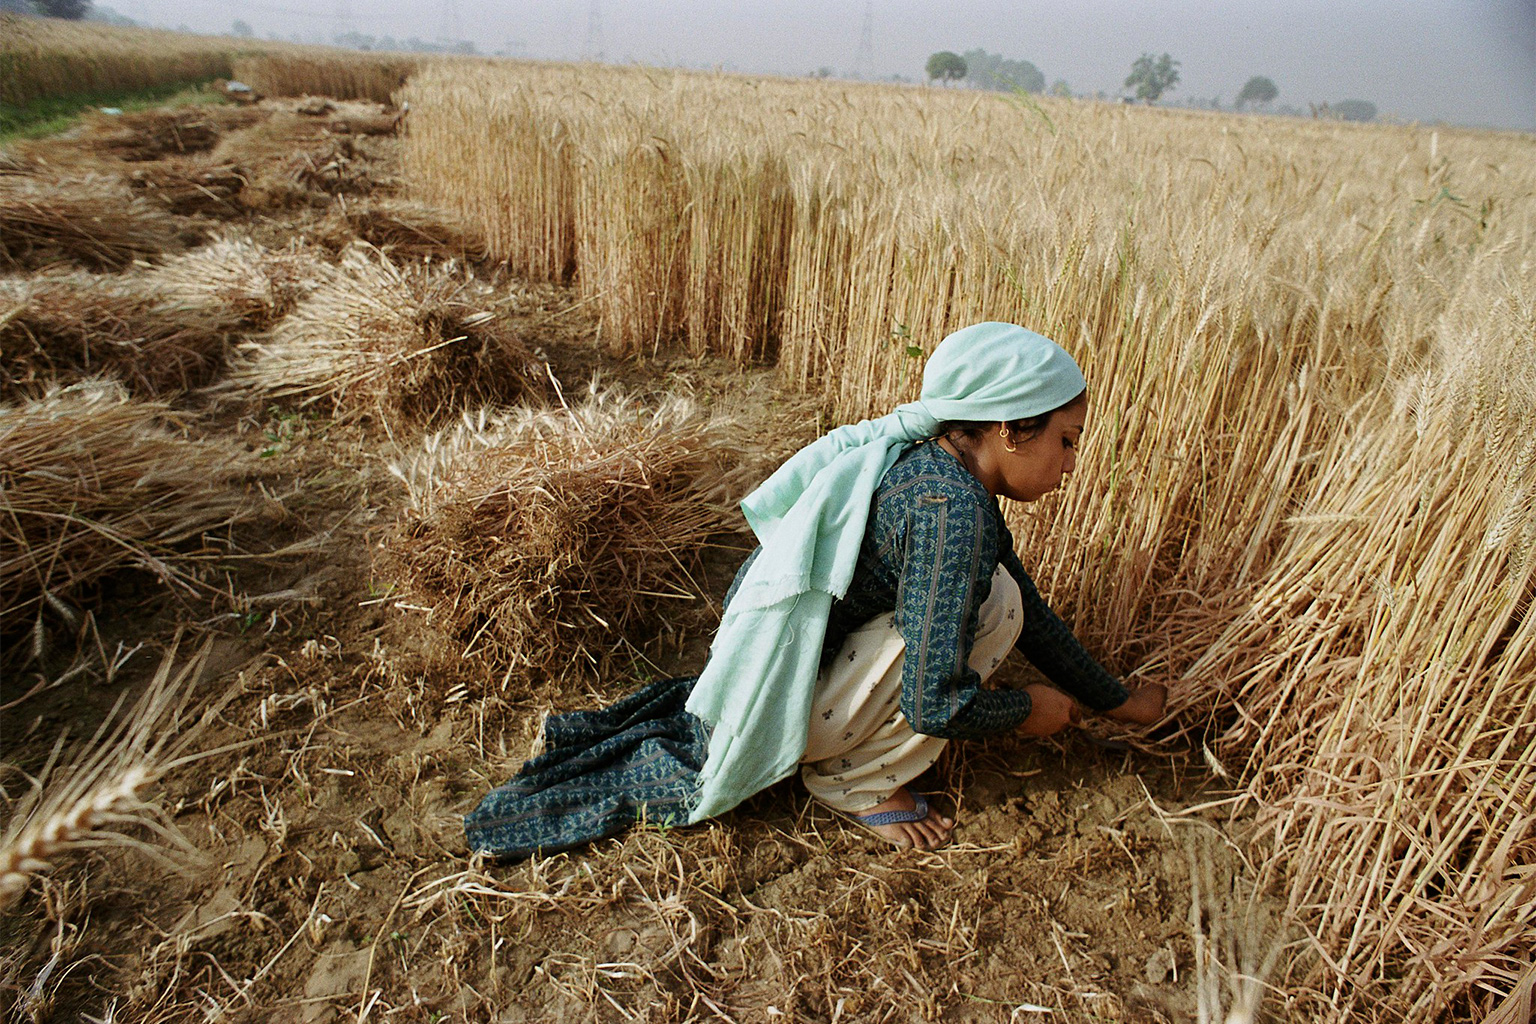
x,y
594,48
863,62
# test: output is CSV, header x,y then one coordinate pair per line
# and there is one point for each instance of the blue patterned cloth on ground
x,y
600,772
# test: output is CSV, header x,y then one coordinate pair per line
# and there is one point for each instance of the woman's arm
x,y
950,550
1051,647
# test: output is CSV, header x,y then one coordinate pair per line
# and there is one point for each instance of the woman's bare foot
x,y
927,832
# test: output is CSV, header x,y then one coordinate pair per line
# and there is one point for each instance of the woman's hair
x,y
1018,430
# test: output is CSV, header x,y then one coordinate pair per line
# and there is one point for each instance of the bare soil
x,y
331,880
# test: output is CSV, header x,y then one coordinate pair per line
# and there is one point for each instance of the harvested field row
x,y
103,203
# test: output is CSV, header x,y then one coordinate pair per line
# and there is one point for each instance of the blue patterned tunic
x,y
934,538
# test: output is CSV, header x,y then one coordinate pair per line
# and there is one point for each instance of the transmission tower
x,y
452,31
594,48
863,62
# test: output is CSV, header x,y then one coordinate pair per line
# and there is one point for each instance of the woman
x,y
855,638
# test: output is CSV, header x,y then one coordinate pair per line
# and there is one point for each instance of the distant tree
x,y
1257,89
822,72
946,66
1152,76
108,16
1061,88
241,29
1354,110
994,71
71,10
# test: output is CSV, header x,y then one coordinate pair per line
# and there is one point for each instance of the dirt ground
x,y
327,876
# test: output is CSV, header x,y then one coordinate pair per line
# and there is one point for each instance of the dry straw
x,y
157,134
59,330
416,343
290,161
542,540
241,277
403,229
98,800
91,220
189,188
91,483
1305,490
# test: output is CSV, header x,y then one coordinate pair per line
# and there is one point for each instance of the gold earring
x,y
1002,432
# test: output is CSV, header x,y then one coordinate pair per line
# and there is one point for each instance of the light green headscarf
x,y
810,517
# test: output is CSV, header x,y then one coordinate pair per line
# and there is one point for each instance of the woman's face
x,y
1037,465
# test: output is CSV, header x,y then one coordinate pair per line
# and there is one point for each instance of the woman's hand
x,y
1145,706
1050,710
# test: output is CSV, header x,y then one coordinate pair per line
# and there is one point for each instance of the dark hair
x,y
1018,430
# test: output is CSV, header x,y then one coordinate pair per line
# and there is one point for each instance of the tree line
x,y
1150,79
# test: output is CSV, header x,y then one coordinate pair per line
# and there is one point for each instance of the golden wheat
x,y
51,57
338,74
1307,481
417,342
539,538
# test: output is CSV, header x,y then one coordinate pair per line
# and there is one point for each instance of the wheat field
x,y
42,58
45,57
1309,493
1306,500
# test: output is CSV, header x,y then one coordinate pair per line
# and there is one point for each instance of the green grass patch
x,y
57,113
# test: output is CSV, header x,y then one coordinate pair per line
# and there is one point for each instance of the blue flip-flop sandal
x,y
918,812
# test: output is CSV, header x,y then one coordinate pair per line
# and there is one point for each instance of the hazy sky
x,y
1464,61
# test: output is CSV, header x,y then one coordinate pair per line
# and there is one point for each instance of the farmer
x,y
855,639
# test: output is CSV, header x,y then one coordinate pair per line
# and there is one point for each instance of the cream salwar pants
x,y
861,749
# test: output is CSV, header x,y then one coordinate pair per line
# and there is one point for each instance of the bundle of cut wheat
x,y
418,343
307,175
290,161
91,220
189,188
242,278
268,140
155,134
541,539
92,482
60,329
331,168
402,228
